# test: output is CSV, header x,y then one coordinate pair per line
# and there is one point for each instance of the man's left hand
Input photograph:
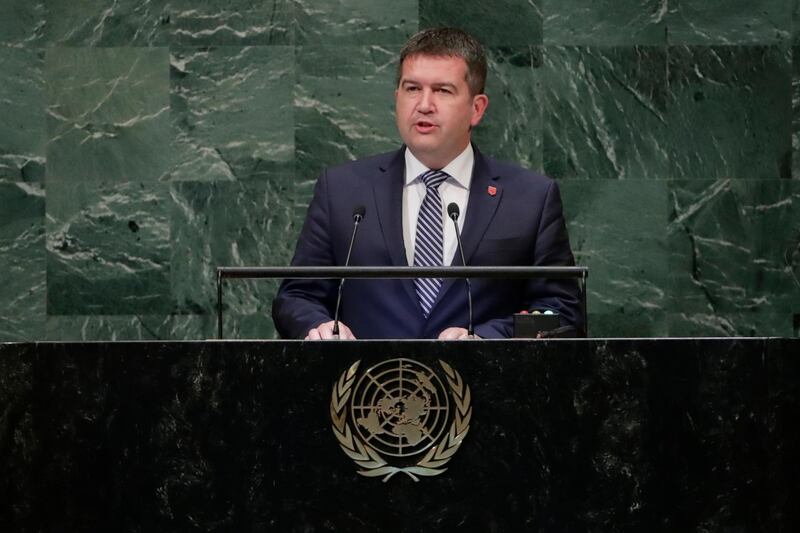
x,y
454,334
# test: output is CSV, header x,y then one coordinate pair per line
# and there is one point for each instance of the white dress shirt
x,y
453,189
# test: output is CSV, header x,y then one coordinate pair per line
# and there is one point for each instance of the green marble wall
x,y
143,143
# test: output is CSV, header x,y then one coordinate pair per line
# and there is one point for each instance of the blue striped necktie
x,y
429,244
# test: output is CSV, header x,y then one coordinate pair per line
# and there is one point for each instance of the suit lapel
x,y
481,207
388,191
485,194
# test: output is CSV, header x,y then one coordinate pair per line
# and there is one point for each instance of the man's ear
x,y
479,104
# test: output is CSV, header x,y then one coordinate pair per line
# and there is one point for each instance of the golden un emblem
x,y
399,416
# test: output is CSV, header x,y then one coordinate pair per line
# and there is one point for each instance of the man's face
x,y
435,110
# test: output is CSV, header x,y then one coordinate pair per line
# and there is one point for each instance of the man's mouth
x,y
423,126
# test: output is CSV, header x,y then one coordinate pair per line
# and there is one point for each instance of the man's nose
x,y
426,104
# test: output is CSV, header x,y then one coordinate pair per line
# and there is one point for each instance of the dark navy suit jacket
x,y
520,224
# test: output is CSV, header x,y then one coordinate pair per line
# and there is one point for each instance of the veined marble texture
x,y
729,112
617,229
22,22
22,98
734,256
232,112
668,113
795,95
512,126
498,23
244,223
652,22
22,261
236,22
144,143
111,255
109,327
344,109
327,22
163,22
605,22
155,327
108,132
605,112
796,23
730,21
107,115
108,22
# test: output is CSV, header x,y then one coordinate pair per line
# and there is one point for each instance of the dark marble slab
x,y
22,261
605,22
729,112
111,255
731,22
107,115
232,113
654,22
734,257
511,129
617,229
676,112
499,23
230,23
605,112
22,99
795,20
22,22
354,22
344,109
795,94
110,23
229,223
618,435
109,328
201,324
108,232
107,23
18,440
782,437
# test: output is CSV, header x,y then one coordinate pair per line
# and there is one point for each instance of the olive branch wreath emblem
x,y
371,462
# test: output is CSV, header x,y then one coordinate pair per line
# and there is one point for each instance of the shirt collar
x,y
460,168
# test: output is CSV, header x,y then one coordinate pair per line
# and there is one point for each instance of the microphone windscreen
x,y
453,211
358,212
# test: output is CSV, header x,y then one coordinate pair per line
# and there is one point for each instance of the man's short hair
x,y
443,42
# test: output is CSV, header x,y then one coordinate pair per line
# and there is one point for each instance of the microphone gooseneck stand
x,y
453,212
358,216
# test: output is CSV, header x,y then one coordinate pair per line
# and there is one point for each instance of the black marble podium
x,y
565,435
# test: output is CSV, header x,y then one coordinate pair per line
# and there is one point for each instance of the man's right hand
x,y
325,331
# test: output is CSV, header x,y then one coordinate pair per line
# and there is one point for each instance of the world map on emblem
x,y
400,407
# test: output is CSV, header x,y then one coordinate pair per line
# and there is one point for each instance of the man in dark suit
x,y
509,216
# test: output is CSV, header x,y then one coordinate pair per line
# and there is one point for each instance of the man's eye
x,y
411,88
443,90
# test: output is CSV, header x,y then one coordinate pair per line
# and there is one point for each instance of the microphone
x,y
358,216
453,212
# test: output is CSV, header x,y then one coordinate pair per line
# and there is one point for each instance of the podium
x,y
564,435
